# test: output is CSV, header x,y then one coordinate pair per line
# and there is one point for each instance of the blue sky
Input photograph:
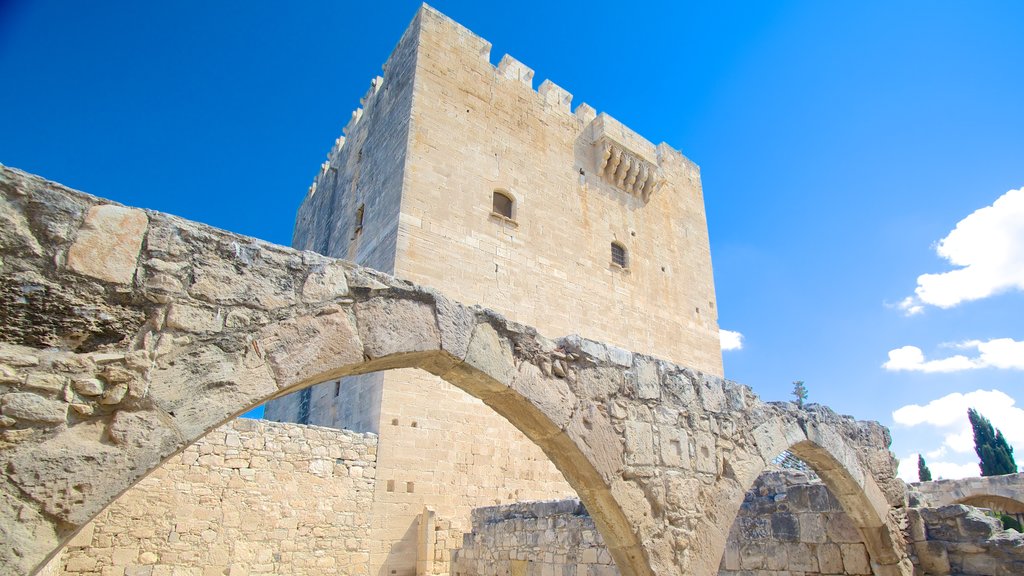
x,y
839,143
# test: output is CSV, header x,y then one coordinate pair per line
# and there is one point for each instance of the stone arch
x,y
1004,504
129,334
199,386
815,437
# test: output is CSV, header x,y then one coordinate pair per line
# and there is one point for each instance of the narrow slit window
x,y
502,204
619,255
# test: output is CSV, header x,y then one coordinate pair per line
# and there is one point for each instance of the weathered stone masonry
x,y
115,360
788,524
250,497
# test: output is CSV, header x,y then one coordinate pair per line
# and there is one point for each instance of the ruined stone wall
x,y
786,525
251,497
790,524
553,537
963,540
1004,493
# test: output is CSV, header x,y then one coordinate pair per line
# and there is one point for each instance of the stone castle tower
x,y
457,174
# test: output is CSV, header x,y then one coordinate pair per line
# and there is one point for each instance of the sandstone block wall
x,y
963,540
477,128
1004,493
251,497
787,525
442,448
533,538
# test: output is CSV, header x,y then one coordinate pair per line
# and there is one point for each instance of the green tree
x,y
923,473
994,453
800,392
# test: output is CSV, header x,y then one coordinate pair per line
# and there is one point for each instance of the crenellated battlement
x,y
623,158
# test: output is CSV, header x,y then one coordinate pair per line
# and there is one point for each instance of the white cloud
x,y
910,306
988,247
939,469
730,340
948,417
1004,353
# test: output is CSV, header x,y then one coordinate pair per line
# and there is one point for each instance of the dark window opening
x,y
337,388
619,255
502,204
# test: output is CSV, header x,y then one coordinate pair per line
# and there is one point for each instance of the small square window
x,y
502,204
619,255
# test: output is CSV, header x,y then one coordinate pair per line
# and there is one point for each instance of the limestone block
x,y
491,354
144,429
675,447
812,528
87,386
513,69
304,347
752,555
915,525
108,243
830,559
551,395
802,557
598,383
326,282
646,373
162,288
193,318
933,558
855,558
679,386
592,430
114,394
555,96
785,527
28,406
839,528
712,396
256,284
15,233
394,326
639,443
705,453
52,383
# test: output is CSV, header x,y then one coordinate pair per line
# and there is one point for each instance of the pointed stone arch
x,y
127,335
829,444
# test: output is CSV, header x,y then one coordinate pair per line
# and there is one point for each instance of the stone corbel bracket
x,y
625,159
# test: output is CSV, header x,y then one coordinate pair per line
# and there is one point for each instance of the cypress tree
x,y
994,453
923,473
799,392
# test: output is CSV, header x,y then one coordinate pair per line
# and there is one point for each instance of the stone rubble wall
x,y
251,497
527,538
1004,493
789,525
963,541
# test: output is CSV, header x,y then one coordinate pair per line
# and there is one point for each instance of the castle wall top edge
x,y
509,67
